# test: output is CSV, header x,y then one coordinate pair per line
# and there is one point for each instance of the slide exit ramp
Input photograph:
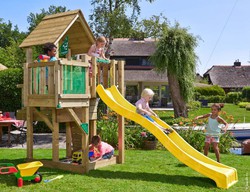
x,y
223,175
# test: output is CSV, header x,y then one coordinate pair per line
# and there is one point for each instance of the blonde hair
x,y
147,92
101,39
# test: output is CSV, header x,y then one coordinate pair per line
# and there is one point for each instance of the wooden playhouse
x,y
62,91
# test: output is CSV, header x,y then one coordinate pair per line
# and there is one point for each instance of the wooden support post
x,y
92,128
105,70
55,137
112,73
121,77
68,140
25,76
29,118
121,130
85,141
93,83
58,81
121,143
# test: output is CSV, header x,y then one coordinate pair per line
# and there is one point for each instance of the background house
x,y
230,78
139,72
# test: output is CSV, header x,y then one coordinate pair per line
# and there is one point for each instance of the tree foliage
x,y
9,33
9,93
154,27
10,54
109,18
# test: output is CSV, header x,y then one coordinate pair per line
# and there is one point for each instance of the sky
x,y
222,25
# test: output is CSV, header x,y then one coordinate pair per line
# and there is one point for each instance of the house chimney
x,y
237,63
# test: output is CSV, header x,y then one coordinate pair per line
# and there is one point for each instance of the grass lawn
x,y
143,171
230,109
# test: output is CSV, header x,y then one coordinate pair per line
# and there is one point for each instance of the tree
x,y
175,55
8,33
109,19
35,18
154,27
12,56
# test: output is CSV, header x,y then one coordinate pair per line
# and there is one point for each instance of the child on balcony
x,y
97,50
142,107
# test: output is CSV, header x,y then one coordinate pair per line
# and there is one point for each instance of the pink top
x,y
104,148
96,52
143,103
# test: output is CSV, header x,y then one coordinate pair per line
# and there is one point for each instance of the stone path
x,y
41,140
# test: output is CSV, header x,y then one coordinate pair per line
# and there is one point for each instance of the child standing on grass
x,y
142,107
213,130
105,150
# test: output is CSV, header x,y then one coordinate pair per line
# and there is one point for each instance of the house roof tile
x,y
144,76
127,47
229,76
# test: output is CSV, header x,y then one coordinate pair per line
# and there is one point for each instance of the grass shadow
x,y
154,177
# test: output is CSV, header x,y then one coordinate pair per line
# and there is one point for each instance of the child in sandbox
x,y
102,150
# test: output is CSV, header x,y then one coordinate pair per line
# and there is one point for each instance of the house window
x,y
138,61
132,93
165,96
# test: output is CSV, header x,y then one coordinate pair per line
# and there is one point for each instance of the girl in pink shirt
x,y
142,107
106,151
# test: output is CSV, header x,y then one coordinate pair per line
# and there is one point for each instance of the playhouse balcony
x,y
60,84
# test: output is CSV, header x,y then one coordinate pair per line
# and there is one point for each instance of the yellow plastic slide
x,y
223,175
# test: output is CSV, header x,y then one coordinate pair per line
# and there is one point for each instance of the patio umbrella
x,y
2,67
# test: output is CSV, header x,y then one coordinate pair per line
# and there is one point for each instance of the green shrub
x,y
194,138
9,93
193,105
243,104
214,99
210,91
108,130
246,93
197,140
233,97
248,107
226,142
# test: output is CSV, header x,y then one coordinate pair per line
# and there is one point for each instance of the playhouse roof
x,y
54,28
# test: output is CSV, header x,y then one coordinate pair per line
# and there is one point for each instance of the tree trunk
x,y
179,104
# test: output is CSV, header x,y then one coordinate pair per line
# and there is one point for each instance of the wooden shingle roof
x,y
144,76
54,28
131,76
229,76
127,47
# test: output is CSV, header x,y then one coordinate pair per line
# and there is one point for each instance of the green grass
x,y
143,171
230,109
